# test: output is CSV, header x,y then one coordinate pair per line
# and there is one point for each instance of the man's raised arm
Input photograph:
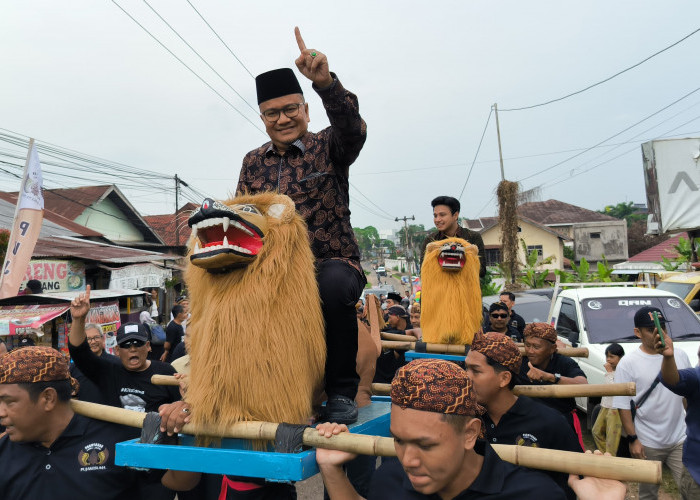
x,y
79,308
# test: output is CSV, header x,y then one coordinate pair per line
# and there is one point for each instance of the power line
x,y
220,39
190,69
488,118
606,79
200,57
366,198
611,137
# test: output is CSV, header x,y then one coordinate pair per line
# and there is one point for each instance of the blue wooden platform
x,y
411,355
233,457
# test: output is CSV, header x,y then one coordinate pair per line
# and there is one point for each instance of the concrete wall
x,y
592,240
533,235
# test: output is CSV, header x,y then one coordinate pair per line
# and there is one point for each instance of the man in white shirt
x,y
657,431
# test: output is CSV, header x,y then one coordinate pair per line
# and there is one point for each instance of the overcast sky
x,y
81,75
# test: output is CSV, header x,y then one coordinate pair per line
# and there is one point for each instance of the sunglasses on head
x,y
502,315
136,343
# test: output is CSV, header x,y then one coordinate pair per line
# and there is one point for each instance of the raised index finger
x,y
300,40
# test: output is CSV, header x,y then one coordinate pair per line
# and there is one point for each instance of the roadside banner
x,y
29,216
25,319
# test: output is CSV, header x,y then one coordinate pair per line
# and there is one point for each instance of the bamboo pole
x,y
398,337
164,380
621,469
574,352
552,391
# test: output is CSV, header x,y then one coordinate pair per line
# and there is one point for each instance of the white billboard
x,y
672,178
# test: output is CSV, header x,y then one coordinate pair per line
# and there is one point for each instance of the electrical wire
x,y
190,69
611,137
366,198
606,79
200,57
220,39
488,118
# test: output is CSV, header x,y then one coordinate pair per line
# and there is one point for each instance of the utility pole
x,y
178,181
498,133
405,220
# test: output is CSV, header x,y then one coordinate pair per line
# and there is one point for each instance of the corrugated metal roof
x,y
557,212
90,250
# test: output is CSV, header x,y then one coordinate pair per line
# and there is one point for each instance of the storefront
x,y
45,318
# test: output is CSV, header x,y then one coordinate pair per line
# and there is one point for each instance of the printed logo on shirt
x,y
132,401
527,440
93,456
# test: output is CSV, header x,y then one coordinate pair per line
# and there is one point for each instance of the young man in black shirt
x,y
493,364
48,451
435,424
499,321
544,366
174,332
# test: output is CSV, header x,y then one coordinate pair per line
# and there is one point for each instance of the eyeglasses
x,y
135,343
502,316
94,339
290,111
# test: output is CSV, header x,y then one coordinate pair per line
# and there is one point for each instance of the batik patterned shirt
x,y
314,174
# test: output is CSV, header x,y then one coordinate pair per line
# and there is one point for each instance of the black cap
x,y
129,331
393,296
34,286
276,83
25,342
643,317
398,311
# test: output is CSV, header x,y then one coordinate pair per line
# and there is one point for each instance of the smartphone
x,y
658,328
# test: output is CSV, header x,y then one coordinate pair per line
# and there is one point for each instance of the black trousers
x,y
340,286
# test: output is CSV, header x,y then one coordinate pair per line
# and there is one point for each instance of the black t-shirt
x,y
517,321
511,331
121,387
564,366
530,423
174,334
79,464
88,389
178,352
389,361
497,480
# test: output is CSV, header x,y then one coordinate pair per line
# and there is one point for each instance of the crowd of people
x,y
445,416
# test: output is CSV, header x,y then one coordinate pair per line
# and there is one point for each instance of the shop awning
x,y
25,319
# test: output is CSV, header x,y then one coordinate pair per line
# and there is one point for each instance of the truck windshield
x,y
612,319
680,289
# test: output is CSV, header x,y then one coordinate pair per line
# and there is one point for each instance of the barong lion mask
x,y
451,294
452,256
230,236
258,345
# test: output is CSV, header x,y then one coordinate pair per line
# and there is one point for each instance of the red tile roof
x,y
663,249
164,225
557,212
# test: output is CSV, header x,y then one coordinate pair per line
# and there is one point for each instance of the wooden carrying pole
x,y
398,337
552,391
573,352
621,469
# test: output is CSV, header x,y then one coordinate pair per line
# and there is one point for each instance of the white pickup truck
x,y
595,317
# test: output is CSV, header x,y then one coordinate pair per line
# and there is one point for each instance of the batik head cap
x,y
434,385
541,330
276,83
499,348
30,365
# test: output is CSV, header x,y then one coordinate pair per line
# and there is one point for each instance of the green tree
x,y
533,277
623,210
367,240
416,236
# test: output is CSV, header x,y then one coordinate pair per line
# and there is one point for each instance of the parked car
x,y
686,286
378,291
533,308
381,271
597,316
